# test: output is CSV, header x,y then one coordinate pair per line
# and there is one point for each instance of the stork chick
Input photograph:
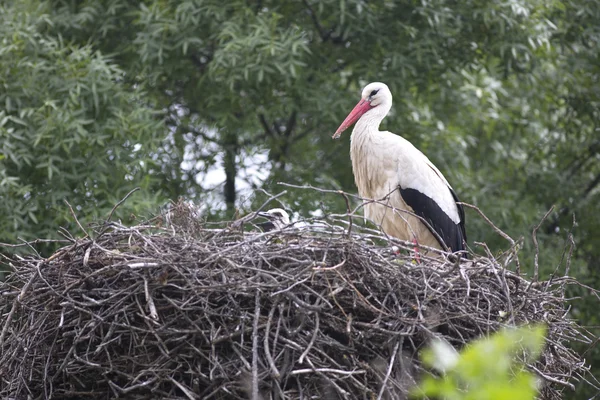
x,y
277,218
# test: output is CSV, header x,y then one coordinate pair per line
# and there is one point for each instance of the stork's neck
x,y
369,123
363,148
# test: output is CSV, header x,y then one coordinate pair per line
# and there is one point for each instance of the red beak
x,y
362,107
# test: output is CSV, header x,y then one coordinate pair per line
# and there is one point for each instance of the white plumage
x,y
277,218
387,167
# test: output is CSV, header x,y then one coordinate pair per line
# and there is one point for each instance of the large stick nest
x,y
186,311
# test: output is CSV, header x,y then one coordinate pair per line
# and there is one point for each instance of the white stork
x,y
389,168
277,218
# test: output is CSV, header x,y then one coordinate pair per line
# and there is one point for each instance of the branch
x,y
536,267
238,224
274,371
132,191
75,217
592,186
303,134
383,201
252,140
325,36
498,230
291,124
577,163
202,65
265,125
202,134
255,346
389,370
566,210
30,243
17,300
348,211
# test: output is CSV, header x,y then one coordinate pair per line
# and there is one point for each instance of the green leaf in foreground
x,y
489,369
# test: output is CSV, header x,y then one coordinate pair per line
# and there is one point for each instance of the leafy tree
x,y
277,77
70,128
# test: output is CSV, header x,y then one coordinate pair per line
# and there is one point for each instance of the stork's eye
x,y
373,93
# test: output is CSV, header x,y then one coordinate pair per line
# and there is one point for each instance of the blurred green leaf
x,y
491,368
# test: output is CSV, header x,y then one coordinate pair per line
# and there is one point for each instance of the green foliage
x,y
69,128
488,369
278,76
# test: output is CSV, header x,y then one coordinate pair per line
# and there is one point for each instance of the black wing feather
x,y
461,215
266,226
453,235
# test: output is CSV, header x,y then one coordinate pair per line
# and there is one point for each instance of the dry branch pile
x,y
187,312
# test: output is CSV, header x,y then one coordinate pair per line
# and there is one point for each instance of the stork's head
x,y
376,98
278,219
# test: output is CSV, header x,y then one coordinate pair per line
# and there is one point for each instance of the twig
x,y
536,267
75,218
551,379
384,201
8,321
570,255
312,340
310,187
274,371
255,346
132,191
498,230
389,370
570,245
188,393
238,224
348,211
11,313
33,242
328,370
486,219
150,302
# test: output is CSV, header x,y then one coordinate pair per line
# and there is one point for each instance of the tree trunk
x,y
231,147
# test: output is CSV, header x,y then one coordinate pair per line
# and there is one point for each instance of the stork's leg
x,y
416,250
